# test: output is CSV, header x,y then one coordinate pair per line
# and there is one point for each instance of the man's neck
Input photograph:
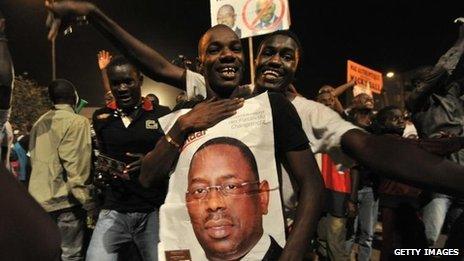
x,y
259,89
212,94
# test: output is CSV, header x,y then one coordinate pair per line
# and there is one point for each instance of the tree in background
x,y
29,102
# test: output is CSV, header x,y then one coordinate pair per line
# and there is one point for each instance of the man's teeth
x,y
270,72
228,70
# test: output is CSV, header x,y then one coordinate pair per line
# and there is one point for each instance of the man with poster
x,y
230,48
228,223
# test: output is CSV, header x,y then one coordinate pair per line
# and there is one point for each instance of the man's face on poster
x,y
225,202
265,10
226,15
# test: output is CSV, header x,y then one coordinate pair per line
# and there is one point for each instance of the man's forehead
x,y
282,41
227,10
122,69
215,151
219,154
219,34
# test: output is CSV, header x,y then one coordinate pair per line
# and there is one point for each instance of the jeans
x,y
433,216
71,226
115,229
401,228
364,224
331,233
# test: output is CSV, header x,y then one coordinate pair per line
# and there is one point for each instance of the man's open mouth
x,y
124,96
271,75
228,72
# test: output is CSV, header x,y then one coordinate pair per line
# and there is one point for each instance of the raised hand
x,y
104,58
64,12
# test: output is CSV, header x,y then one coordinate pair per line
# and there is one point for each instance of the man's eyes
x,y
288,57
237,49
231,186
199,191
213,50
268,52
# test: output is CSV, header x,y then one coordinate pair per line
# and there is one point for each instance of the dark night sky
x,y
385,35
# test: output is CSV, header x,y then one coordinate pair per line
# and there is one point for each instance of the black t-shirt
x,y
115,140
288,131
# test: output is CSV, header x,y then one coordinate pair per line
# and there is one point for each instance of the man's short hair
x,y
120,60
242,147
61,90
202,38
382,114
286,33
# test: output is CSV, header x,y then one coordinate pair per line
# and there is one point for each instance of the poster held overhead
x,y
367,79
249,18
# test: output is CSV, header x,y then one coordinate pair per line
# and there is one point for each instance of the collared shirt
x,y
117,136
259,250
60,149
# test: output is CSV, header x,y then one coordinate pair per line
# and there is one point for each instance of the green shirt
x,y
60,149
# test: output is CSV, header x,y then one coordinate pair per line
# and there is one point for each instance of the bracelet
x,y
171,141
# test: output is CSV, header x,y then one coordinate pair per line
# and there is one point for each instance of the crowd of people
x,y
93,189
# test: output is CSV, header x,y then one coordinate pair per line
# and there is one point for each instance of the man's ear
x,y
264,196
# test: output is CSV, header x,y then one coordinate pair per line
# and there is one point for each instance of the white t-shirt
x,y
195,84
323,127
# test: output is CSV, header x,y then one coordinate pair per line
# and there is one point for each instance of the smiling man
x,y
226,201
276,64
226,52
126,129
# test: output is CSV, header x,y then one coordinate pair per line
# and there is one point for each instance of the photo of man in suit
x,y
226,202
226,15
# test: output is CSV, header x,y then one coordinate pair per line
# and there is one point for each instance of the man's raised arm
x,y
436,78
405,161
151,63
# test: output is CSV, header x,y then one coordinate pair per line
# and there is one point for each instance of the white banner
x,y
223,196
251,17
